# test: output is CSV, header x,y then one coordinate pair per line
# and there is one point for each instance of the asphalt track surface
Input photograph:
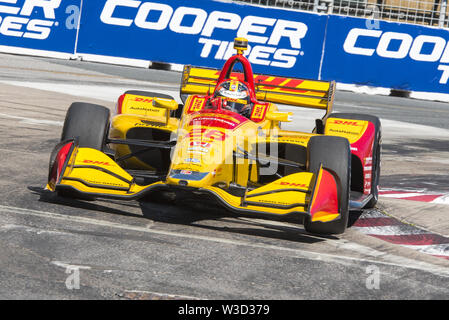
x,y
144,250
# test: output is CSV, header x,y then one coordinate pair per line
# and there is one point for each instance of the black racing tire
x,y
377,150
87,122
334,153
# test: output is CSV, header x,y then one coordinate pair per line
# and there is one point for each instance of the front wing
x,y
91,173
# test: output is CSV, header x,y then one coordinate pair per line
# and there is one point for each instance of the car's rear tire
x,y
377,148
333,153
87,122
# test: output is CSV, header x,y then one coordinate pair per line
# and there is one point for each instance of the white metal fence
x,y
426,12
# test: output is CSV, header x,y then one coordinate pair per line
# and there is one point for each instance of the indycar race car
x,y
225,142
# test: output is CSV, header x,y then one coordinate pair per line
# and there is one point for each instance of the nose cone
x,y
187,178
204,153
197,163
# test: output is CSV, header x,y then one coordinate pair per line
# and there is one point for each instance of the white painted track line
x,y
32,120
388,259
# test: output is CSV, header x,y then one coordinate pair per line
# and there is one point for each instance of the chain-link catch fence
x,y
425,12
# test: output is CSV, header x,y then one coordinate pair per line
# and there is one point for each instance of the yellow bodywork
x,y
204,157
93,173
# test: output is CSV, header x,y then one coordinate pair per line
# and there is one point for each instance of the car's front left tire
x,y
87,122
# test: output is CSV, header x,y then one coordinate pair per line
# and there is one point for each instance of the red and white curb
x,y
383,227
424,196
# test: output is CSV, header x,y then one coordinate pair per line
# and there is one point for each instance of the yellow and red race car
x,y
225,142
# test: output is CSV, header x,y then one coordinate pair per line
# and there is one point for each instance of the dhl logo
x,y
99,163
209,77
292,184
262,82
197,105
346,123
270,83
144,100
258,112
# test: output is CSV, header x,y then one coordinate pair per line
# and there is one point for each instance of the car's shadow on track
x,y
282,232
354,215
201,214
53,198
207,215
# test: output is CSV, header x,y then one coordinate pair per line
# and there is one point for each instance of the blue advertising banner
x,y
201,33
42,25
386,54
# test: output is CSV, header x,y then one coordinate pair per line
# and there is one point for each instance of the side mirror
x,y
166,104
279,116
169,105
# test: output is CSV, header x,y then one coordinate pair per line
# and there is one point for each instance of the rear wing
x,y
290,91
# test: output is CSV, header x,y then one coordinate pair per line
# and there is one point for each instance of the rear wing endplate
x,y
289,91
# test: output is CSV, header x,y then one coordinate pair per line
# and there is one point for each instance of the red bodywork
x,y
363,149
247,77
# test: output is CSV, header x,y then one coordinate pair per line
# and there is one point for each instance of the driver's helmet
x,y
237,97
